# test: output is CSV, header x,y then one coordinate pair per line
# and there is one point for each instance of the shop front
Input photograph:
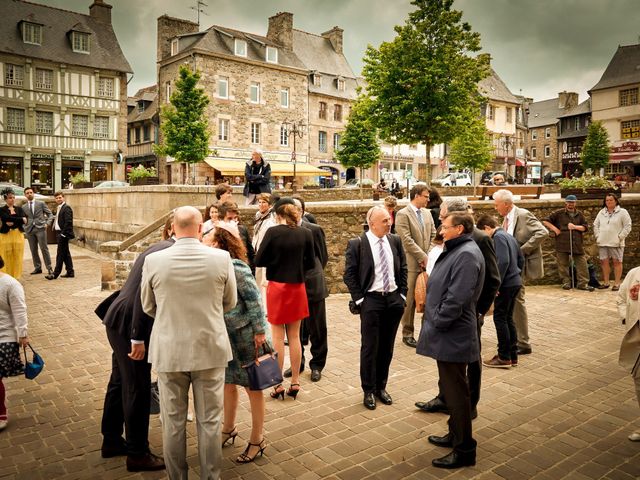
x,y
42,173
11,170
71,166
100,171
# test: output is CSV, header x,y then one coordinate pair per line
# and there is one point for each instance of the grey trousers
x,y
35,238
208,388
521,319
582,270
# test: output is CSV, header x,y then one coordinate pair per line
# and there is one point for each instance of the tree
x,y
423,81
184,126
595,152
359,144
472,148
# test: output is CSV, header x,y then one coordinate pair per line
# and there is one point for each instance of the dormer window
x,y
240,48
340,84
140,106
272,55
80,42
32,33
316,79
174,46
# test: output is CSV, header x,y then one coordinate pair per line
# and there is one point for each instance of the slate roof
x,y
623,69
544,112
584,107
106,53
493,88
149,95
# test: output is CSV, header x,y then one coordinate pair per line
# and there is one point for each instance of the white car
x,y
452,178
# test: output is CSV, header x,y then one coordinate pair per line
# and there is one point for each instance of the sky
x,y
538,47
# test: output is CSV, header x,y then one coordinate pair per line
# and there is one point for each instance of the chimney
x,y
567,100
281,29
335,37
169,27
100,11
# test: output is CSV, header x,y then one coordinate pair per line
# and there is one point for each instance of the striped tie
x,y
419,214
386,283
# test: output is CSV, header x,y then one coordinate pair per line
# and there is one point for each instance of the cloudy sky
x,y
539,47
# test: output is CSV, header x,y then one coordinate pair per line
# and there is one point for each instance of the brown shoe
x,y
497,362
144,463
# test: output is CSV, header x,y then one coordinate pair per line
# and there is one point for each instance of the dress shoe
x,y
316,375
455,460
51,276
409,342
497,362
635,437
587,288
5,421
524,350
113,450
287,372
566,286
433,406
384,397
444,441
144,463
36,271
369,401
68,275
474,413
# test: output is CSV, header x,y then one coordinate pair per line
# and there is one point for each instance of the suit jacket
x,y
359,269
39,219
491,282
187,288
530,233
628,310
65,221
416,239
314,279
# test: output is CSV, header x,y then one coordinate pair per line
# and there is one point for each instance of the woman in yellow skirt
x,y
12,234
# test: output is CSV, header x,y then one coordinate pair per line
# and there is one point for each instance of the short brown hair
x,y
59,194
417,190
227,207
487,220
264,196
460,218
221,189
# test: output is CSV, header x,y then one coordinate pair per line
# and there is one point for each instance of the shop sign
x,y
46,156
626,147
72,157
571,156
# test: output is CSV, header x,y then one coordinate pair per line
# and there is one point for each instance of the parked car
x,y
111,184
452,178
355,183
19,192
551,177
486,177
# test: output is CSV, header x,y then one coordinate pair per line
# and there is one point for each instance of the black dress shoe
x,y
113,450
433,406
524,350
36,271
409,342
51,276
316,375
444,441
144,463
68,275
287,372
474,413
455,460
384,397
369,401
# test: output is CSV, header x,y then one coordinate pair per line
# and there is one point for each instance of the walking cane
x,y
571,264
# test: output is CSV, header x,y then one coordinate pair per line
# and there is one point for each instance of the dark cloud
x,y
539,47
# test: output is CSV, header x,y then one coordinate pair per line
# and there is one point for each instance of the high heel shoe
x,y
244,456
278,391
231,437
293,392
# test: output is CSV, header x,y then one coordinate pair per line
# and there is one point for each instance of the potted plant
x,y
141,175
80,181
586,187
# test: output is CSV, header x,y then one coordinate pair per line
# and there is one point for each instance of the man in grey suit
x,y
38,217
530,233
414,225
187,288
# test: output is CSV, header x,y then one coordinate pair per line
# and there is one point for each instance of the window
x,y
80,42
336,141
630,129
240,48
322,142
547,151
13,75
322,112
340,84
284,136
223,87
255,133
44,79
337,112
254,92
174,46
101,127
272,55
32,33
629,97
509,113
15,120
534,134
284,98
80,125
44,122
146,133
533,152
167,92
577,124
491,112
105,88
140,106
547,132
223,129
316,79
137,134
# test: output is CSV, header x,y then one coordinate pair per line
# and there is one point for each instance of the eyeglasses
x,y
447,227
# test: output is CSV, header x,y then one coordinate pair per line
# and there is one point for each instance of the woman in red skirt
x,y
287,252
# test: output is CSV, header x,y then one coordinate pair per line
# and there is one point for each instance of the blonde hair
x,y
290,213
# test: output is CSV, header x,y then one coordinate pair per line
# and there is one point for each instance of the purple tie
x,y
386,284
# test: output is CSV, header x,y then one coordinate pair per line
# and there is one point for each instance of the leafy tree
x,y
359,145
595,152
184,126
423,81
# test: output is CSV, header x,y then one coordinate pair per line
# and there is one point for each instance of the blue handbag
x,y
264,372
32,369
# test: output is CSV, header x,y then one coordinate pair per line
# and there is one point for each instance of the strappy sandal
x,y
231,437
244,456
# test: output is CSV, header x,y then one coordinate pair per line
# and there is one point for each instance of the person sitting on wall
x,y
498,179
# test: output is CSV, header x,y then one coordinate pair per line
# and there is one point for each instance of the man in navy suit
x,y
63,226
376,276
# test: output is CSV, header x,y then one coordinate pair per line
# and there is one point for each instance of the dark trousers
x,y
503,307
314,330
453,377
379,320
63,256
127,399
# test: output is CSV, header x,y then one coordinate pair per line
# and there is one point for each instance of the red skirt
x,y
286,302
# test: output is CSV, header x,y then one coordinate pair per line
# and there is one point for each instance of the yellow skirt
x,y
12,251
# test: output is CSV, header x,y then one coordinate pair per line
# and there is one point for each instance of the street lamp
x,y
294,129
507,142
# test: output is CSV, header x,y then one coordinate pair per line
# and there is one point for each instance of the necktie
x,y
505,224
419,214
386,284
31,207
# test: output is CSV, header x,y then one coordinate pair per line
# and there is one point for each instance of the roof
x,y
623,69
544,112
106,53
149,95
580,109
493,88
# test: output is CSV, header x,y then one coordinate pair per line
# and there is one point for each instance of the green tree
x,y
423,81
184,126
359,144
472,148
595,152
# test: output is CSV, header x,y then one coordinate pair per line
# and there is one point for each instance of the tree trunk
x,y
427,143
475,181
361,185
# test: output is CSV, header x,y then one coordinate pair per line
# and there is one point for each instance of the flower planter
x,y
589,193
145,181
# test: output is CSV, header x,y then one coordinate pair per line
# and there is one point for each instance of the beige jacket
x,y
628,310
416,240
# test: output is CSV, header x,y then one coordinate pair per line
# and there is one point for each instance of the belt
x,y
381,294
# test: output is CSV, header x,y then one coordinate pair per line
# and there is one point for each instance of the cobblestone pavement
x,y
564,412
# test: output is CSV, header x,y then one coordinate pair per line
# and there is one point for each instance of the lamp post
x,y
294,129
507,143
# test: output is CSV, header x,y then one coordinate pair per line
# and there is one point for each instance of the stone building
x,y
142,128
63,101
573,127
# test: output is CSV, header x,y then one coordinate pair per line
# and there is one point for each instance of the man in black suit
x,y
128,392
63,226
376,276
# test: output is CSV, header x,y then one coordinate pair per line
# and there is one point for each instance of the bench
x,y
524,191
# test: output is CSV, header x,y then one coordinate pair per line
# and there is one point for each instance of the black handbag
x,y
264,372
32,369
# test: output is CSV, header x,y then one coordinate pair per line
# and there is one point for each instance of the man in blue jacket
x,y
450,333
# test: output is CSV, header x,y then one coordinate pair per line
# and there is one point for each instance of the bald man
x,y
187,288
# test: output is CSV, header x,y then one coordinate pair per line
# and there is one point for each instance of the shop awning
x,y
226,167
236,167
519,163
627,151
